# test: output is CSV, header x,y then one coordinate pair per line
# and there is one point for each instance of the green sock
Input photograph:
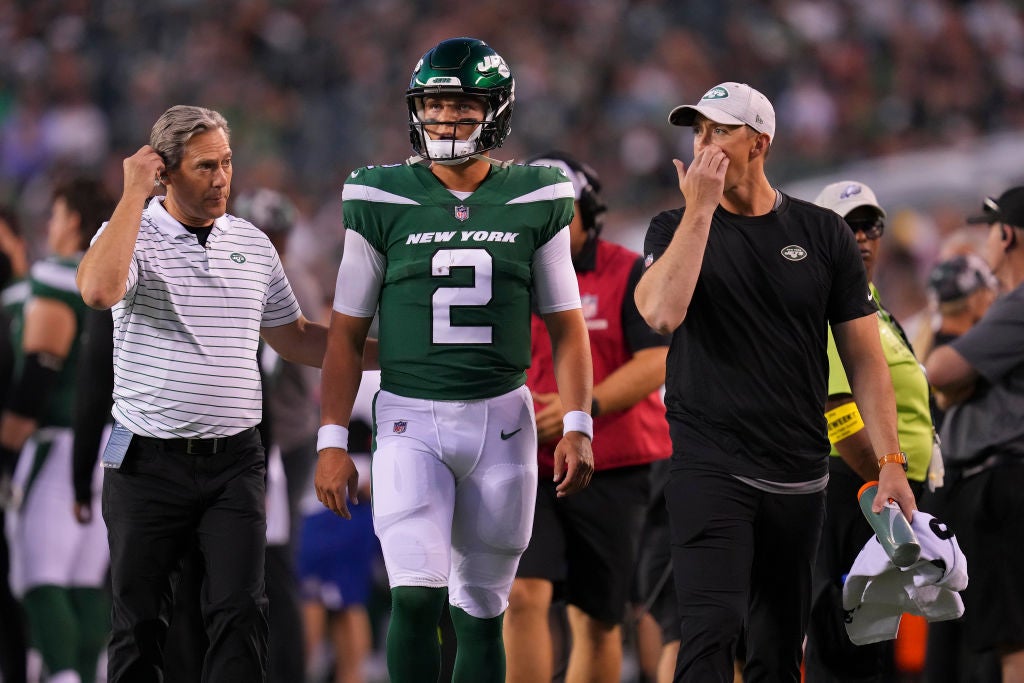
x,y
92,609
480,657
413,650
53,626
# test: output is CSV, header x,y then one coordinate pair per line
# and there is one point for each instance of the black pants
x,y
156,506
742,561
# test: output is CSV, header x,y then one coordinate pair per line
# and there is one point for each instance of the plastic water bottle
x,y
891,527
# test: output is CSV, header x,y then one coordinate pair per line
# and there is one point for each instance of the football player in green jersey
x,y
58,564
452,248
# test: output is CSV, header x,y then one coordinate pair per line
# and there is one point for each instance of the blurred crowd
x,y
314,88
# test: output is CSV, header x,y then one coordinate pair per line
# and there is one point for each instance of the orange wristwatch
x,y
899,457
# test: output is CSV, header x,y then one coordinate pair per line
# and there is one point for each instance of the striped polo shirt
x,y
187,329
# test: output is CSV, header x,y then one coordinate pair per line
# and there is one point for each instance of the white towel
x,y
877,593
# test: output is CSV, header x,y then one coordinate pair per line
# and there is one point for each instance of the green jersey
x,y
910,385
54,278
457,274
12,299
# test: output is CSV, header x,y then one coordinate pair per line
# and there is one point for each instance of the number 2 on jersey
x,y
445,298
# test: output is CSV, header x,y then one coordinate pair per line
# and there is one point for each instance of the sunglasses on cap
x,y
871,227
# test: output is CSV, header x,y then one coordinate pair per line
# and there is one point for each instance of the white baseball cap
x,y
730,103
847,195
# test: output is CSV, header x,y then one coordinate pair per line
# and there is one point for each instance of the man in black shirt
x,y
747,280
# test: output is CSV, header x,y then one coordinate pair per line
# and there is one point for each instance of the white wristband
x,y
332,436
578,421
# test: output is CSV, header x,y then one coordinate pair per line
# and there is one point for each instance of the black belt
x,y
208,446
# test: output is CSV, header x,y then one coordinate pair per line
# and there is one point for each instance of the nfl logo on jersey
x,y
399,427
462,212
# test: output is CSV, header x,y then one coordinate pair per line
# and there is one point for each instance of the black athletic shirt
x,y
747,373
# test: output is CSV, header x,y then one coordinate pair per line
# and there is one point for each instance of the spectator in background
x,y
654,585
583,548
747,280
979,379
829,654
290,403
61,580
337,559
292,387
961,289
849,75
13,289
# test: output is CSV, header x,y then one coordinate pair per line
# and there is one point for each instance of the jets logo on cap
x,y
716,93
849,191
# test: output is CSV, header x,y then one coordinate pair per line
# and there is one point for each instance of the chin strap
x,y
419,159
493,162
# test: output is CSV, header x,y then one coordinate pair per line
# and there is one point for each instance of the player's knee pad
x,y
480,602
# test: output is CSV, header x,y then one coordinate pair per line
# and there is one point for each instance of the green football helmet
x,y
461,66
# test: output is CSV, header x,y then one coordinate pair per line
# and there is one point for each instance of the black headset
x,y
591,206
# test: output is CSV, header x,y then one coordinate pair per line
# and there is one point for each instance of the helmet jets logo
x,y
461,67
794,253
716,93
491,63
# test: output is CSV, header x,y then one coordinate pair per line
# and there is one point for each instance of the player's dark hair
x,y
90,200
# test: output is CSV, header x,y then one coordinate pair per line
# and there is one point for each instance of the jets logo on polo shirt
x,y
237,258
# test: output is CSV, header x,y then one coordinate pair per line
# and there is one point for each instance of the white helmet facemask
x,y
449,151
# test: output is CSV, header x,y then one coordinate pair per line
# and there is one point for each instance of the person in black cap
x,y
747,280
961,287
979,380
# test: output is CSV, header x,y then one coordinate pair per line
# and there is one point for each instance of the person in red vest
x,y
584,547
